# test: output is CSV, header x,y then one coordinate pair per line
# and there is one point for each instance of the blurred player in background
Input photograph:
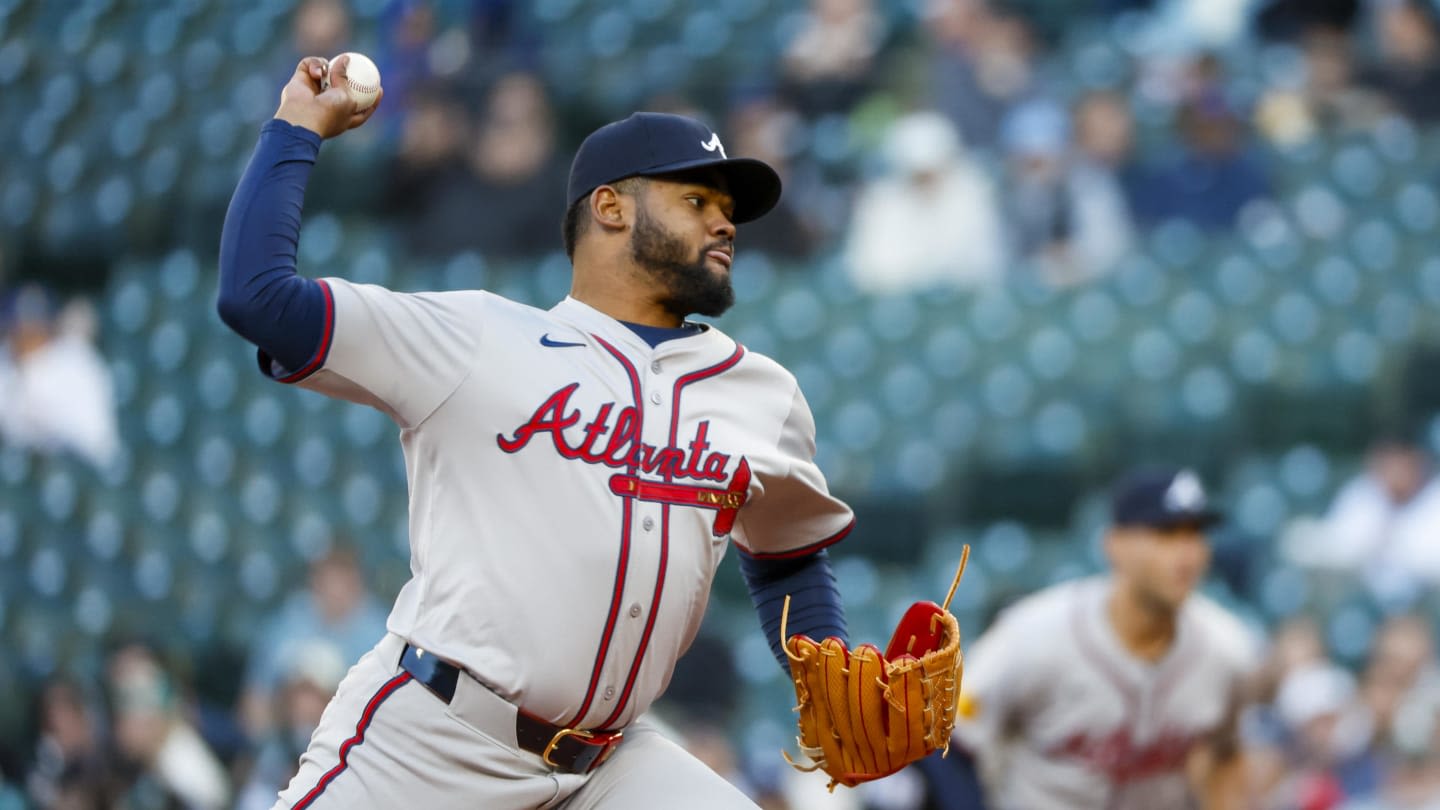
x,y
1117,691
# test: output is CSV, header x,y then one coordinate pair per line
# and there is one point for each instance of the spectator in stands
x,y
431,148
1102,163
1414,549
463,46
1360,520
1295,644
503,199
1402,654
55,389
983,61
1412,780
766,129
1213,174
931,218
515,160
175,768
409,33
1104,132
337,607
312,674
1379,525
1331,754
1066,214
321,26
1408,72
828,65
1037,206
72,767
1324,98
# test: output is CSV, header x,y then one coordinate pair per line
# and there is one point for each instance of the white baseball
x,y
363,79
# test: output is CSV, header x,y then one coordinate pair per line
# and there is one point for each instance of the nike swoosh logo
x,y
556,344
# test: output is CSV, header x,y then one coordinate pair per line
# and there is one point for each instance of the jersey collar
x,y
708,340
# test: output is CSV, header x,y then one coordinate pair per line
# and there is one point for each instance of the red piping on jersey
x,y
634,394
328,332
649,620
680,384
366,716
623,562
803,550
696,376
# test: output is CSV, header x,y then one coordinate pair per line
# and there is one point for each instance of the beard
x,y
688,284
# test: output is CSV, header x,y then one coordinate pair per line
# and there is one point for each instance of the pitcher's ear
x,y
609,207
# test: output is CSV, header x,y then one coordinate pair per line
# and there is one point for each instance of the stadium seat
x,y
1051,353
1417,208
1094,315
949,351
994,315
1374,243
1358,171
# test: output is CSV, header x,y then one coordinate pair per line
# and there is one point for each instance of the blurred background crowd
x,y
1024,245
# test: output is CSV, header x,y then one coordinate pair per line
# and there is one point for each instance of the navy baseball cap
x,y
1160,498
649,144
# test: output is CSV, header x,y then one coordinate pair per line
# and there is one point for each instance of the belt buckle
x,y
560,735
585,736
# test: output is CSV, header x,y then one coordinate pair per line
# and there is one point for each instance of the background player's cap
x,y
649,143
1161,497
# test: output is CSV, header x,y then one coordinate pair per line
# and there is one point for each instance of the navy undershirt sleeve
x,y
815,608
261,297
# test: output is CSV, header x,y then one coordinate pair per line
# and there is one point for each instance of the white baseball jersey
x,y
572,489
1062,717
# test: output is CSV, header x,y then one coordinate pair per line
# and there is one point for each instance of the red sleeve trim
x,y
327,334
801,551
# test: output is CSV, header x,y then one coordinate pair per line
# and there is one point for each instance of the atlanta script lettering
x,y
616,443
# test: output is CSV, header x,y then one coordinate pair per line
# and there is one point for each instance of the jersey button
x,y
655,397
609,692
655,366
648,523
635,611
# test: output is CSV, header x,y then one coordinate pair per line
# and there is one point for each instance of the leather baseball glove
x,y
864,715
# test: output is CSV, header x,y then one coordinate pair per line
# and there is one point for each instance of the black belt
x,y
573,750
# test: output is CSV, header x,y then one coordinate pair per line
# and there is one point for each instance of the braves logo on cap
x,y
1185,493
714,145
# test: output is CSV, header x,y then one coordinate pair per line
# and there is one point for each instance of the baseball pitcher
x,y
575,476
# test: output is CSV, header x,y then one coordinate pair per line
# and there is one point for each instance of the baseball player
x,y
1106,692
575,475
